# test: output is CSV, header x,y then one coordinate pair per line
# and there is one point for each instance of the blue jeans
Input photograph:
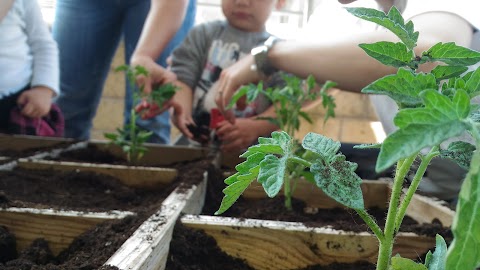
x,y
88,33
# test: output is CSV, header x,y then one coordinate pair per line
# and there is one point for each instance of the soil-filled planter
x,y
269,244
102,157
154,220
19,146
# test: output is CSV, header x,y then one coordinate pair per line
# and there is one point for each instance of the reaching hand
x,y
230,80
238,136
36,102
157,75
182,119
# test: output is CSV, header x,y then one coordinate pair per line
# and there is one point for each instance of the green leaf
x,y
452,54
473,83
393,22
403,87
305,116
328,102
460,152
339,181
399,263
437,260
321,145
368,146
440,119
464,250
272,174
335,176
389,53
247,172
240,93
447,72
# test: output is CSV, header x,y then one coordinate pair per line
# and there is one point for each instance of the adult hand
x,y
157,75
230,80
36,102
238,136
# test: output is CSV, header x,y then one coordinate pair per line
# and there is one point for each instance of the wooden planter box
x,y
159,157
268,244
25,146
148,246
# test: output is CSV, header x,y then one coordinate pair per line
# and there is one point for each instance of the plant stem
x,y
386,245
371,223
132,153
413,186
287,193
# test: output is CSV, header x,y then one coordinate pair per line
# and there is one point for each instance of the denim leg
x,y
160,124
87,33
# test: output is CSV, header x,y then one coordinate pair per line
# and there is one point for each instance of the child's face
x,y
248,15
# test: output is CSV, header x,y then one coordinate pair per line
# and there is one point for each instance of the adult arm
x,y
163,20
342,61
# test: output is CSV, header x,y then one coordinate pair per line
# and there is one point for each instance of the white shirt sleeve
x,y
43,48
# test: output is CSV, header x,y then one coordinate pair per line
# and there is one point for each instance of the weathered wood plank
x,y
290,245
374,192
58,227
24,142
425,209
129,175
148,247
157,154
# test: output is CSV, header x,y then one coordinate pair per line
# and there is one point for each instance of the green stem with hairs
x,y
386,245
413,186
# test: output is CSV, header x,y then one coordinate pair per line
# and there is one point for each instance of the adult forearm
x,y
341,61
164,19
345,63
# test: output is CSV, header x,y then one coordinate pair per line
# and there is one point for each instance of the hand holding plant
x,y
433,108
131,137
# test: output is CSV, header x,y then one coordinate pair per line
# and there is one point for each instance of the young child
x,y
30,71
198,61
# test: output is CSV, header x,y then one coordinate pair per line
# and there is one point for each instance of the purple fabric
x,y
51,125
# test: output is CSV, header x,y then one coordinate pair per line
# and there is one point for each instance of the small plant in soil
x,y
288,102
130,137
433,107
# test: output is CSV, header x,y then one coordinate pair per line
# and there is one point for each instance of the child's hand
x,y
36,102
147,110
238,136
182,119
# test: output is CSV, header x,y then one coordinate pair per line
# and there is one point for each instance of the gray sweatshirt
x,y
205,52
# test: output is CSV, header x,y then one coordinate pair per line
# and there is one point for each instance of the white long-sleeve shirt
x,y
28,53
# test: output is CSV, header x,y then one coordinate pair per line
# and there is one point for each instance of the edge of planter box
x,y
148,247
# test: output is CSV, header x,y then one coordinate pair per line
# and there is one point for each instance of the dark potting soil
x,y
93,248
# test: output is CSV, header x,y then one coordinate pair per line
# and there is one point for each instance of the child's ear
x,y
280,4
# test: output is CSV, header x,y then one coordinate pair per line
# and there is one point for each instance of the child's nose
x,y
243,2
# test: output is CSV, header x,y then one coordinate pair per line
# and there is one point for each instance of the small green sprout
x,y
130,137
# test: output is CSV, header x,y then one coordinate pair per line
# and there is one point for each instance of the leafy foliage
x,y
289,100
